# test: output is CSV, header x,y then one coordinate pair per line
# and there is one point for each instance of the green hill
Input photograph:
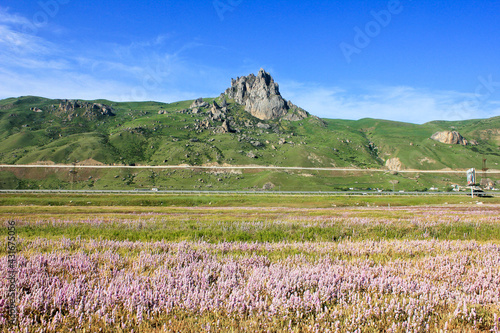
x,y
35,129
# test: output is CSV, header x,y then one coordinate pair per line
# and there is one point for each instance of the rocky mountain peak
x,y
261,97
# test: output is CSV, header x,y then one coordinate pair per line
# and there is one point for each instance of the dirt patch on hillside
x,y
394,164
426,160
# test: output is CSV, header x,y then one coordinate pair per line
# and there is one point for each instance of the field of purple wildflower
x,y
350,285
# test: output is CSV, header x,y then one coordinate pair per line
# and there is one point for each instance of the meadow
x,y
257,263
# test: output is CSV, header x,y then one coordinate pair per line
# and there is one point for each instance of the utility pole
x,y
73,172
484,169
393,182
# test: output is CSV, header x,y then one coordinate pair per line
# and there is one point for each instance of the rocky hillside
x,y
250,123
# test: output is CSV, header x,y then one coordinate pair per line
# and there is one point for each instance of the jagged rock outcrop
x,y
198,103
472,142
256,143
268,186
295,112
223,104
225,127
261,97
451,138
263,126
216,112
90,111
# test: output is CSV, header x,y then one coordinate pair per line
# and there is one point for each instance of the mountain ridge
x,y
249,123
29,121
155,133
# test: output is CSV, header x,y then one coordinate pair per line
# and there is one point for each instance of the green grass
x,y
249,218
138,134
230,200
411,143
205,179
252,227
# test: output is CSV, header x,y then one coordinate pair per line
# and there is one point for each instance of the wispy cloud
x,y
63,85
12,19
141,70
21,43
402,103
163,68
26,51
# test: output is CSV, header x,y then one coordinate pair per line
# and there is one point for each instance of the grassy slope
x,y
139,135
411,143
211,180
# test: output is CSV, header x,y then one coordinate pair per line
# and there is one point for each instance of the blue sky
x,y
404,60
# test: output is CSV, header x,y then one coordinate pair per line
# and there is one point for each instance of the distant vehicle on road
x,y
476,191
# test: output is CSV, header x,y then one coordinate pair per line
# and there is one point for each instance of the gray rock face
x,y
257,143
91,111
199,103
226,128
295,113
263,126
223,103
102,109
261,97
251,155
449,137
268,186
216,112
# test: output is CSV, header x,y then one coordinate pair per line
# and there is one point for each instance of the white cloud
x,y
32,65
20,43
8,18
399,103
156,70
26,51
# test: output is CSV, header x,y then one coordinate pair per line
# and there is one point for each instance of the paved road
x,y
235,167
150,192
